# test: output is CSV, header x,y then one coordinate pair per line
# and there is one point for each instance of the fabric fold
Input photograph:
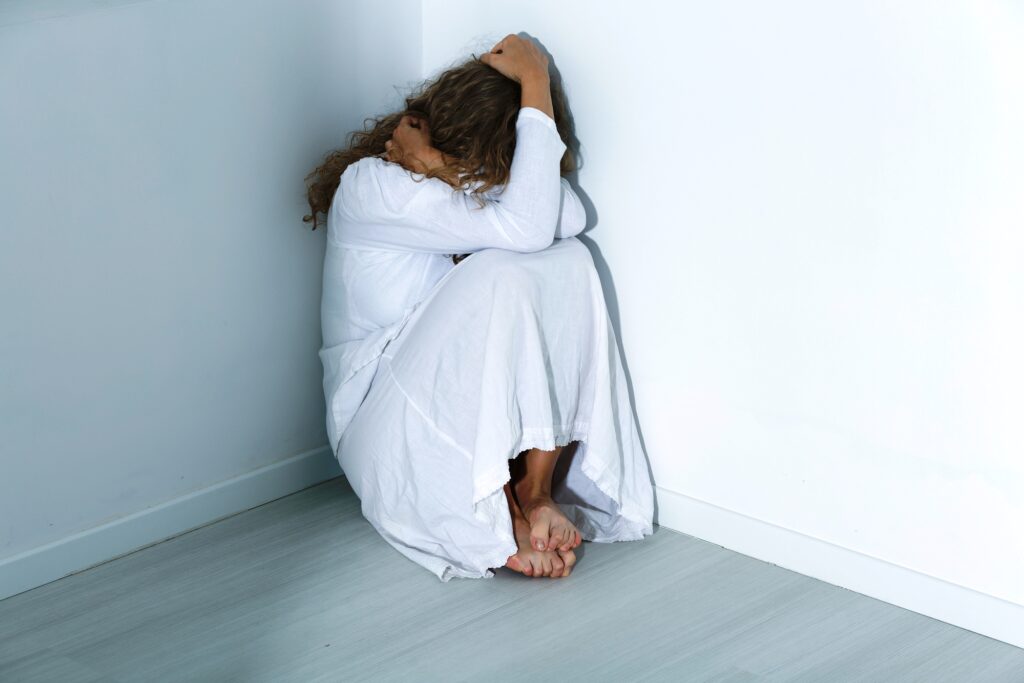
x,y
509,352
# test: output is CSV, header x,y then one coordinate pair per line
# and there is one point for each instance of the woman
x,y
468,352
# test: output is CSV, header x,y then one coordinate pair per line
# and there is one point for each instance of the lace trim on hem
x,y
546,439
550,439
492,562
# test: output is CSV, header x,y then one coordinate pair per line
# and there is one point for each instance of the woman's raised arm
x,y
379,205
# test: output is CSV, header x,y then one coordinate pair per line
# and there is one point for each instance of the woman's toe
x,y
539,534
561,539
554,540
568,559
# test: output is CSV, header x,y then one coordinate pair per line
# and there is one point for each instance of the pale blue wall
x,y
159,295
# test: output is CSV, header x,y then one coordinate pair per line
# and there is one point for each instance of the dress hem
x,y
548,439
545,438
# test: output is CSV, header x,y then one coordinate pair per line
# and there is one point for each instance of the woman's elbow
x,y
573,218
573,224
534,234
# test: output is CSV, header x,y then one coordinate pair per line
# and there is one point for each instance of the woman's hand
x,y
517,58
521,60
410,146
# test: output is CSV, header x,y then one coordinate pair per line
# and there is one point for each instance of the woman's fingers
x,y
392,152
414,122
516,58
498,46
496,58
412,136
410,145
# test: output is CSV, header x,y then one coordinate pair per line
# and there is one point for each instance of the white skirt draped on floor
x,y
509,351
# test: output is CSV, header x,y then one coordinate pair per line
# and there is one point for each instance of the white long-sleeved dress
x,y
436,375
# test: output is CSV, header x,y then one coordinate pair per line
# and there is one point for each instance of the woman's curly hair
x,y
471,110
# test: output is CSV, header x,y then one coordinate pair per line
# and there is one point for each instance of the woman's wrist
x,y
433,159
535,75
536,93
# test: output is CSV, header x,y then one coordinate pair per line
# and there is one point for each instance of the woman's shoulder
x,y
375,177
374,166
367,167
373,191
379,172
365,183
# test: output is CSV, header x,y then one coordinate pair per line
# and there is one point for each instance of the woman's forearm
x,y
536,92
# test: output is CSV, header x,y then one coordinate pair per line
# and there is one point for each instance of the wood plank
x,y
303,588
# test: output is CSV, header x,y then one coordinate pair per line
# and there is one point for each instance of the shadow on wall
x,y
603,271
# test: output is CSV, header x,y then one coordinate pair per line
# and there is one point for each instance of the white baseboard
x,y
954,604
913,590
80,551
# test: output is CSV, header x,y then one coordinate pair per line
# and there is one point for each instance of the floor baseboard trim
x,y
933,597
106,542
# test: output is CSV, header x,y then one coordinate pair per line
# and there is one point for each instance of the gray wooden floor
x,y
303,589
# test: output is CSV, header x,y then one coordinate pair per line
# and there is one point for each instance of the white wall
x,y
811,220
159,294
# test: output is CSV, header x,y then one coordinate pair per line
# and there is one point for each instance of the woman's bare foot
x,y
531,562
550,529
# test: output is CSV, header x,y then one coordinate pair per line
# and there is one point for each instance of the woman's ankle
x,y
529,492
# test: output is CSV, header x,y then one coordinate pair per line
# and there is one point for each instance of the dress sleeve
x,y
379,204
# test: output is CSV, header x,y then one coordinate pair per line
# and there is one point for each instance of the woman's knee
x,y
505,268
